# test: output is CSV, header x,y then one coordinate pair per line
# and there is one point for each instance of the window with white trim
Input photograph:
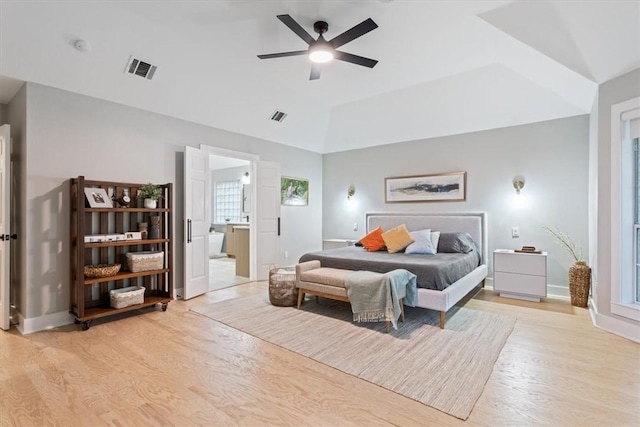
x,y
625,207
228,201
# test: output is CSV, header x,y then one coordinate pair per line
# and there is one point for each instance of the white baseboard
x,y
553,291
615,326
48,321
557,291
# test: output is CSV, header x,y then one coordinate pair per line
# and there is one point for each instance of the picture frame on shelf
x,y
294,191
98,198
442,187
133,235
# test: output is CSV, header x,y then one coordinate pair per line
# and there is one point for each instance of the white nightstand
x,y
520,275
336,243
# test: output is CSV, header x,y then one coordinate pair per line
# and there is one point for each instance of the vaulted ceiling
x,y
446,67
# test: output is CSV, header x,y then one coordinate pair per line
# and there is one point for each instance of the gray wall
x,y
552,156
71,135
612,92
4,108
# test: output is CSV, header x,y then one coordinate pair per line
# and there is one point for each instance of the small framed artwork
x,y
443,187
133,235
294,191
98,198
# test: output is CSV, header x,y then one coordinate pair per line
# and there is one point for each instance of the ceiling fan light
x,y
320,55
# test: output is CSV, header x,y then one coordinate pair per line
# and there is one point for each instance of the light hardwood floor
x,y
179,368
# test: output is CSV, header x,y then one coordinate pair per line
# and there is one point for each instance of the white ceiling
x,y
445,67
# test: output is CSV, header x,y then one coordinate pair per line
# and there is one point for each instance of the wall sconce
x,y
351,191
518,183
245,178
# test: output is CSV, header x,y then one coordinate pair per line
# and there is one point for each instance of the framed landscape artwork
x,y
294,191
443,187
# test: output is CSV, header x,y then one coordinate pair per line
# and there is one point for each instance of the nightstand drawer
x,y
531,264
520,284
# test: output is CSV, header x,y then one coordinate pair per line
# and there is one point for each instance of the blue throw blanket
x,y
374,296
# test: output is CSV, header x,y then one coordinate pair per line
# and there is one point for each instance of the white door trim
x,y
5,226
229,153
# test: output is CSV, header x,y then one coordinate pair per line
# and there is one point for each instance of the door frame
x,y
5,286
253,159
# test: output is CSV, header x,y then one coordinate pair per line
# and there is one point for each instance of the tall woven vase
x,y
579,283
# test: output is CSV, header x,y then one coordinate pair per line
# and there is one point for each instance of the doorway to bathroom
x,y
261,229
230,202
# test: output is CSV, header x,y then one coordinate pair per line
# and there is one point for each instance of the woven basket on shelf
x,y
579,283
124,297
144,261
101,270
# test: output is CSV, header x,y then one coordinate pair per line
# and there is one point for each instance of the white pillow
x,y
435,238
422,243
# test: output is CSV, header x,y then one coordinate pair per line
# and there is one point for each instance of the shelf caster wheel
x,y
76,321
164,306
86,325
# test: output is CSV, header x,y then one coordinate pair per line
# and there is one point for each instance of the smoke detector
x,y
82,45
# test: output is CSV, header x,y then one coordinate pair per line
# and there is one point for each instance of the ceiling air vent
x,y
138,67
278,116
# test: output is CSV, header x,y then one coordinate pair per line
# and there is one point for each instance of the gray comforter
x,y
433,271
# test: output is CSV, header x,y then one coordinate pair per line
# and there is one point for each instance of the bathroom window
x,y
228,201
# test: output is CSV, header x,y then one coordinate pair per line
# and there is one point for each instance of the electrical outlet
x,y
286,254
515,232
355,226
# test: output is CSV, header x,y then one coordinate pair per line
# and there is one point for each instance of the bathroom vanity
x,y
231,237
236,239
241,245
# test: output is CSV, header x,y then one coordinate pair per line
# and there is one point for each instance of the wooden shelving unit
x,y
90,296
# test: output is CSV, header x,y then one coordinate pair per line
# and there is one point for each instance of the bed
x,y
441,294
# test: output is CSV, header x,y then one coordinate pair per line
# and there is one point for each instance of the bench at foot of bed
x,y
324,282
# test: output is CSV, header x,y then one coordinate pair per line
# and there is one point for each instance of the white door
x,y
5,182
197,183
268,217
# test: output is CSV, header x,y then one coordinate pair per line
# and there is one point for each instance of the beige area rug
x,y
445,369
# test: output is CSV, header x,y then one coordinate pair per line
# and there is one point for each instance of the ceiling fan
x,y
321,51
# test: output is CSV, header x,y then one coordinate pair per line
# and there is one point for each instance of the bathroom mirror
x,y
246,198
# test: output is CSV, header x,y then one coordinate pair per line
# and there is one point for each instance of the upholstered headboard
x,y
474,223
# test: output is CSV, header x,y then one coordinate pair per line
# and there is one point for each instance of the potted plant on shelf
x,y
150,193
579,272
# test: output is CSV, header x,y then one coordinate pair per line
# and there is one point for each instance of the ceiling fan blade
x,y
359,30
296,28
355,59
283,54
315,71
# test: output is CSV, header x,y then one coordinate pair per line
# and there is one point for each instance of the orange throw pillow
x,y
373,241
397,239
